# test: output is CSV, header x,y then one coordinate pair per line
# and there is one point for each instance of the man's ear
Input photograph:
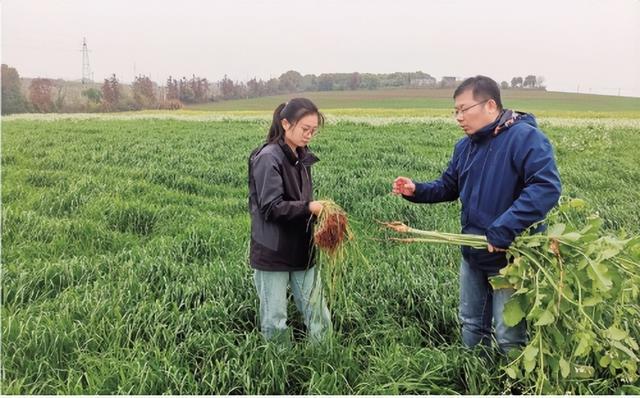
x,y
492,107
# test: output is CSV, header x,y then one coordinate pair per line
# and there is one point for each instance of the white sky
x,y
590,44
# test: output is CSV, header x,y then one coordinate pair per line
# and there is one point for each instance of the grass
x,y
125,244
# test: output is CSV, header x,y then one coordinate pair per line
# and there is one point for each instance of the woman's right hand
x,y
315,207
403,186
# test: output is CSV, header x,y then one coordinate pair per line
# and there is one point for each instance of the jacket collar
x,y
304,154
505,120
486,131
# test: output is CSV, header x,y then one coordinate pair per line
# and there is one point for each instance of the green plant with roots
x,y
331,236
579,291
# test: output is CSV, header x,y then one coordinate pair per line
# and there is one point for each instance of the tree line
x,y
49,95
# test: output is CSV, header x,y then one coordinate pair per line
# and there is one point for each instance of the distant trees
x,y
370,82
110,93
256,88
171,98
516,82
46,95
173,92
325,82
355,81
13,101
227,87
92,94
185,92
144,93
200,88
291,82
271,86
194,90
93,99
61,96
530,82
309,83
40,95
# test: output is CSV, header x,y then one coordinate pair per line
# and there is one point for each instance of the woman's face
x,y
301,133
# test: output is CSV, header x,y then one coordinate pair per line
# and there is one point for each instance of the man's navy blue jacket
x,y
506,178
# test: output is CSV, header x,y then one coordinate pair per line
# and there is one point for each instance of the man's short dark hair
x,y
483,88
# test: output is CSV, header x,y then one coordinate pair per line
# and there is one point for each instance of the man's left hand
x,y
492,248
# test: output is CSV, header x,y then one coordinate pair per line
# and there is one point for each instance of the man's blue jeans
x,y
479,305
272,291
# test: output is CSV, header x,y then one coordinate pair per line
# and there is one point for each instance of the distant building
x,y
424,82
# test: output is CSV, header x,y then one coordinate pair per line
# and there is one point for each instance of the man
x,y
505,175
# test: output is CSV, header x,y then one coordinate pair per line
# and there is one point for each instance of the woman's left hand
x,y
315,207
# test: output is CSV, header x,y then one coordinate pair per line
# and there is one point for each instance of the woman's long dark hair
x,y
294,110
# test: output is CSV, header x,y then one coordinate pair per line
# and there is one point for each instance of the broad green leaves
x,y
564,368
573,287
545,319
616,334
513,313
599,273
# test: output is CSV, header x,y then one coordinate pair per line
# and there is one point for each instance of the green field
x,y
125,245
432,102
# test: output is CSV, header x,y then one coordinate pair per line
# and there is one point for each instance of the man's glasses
x,y
457,112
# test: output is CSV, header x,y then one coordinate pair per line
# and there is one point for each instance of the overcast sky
x,y
575,44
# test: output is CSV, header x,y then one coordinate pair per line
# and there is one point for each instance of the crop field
x,y
125,247
428,102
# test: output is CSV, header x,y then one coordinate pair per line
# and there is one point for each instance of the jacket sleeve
x,y
270,192
444,189
540,194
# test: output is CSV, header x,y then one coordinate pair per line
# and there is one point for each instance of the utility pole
x,y
87,76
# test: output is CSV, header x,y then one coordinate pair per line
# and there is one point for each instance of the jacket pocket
x,y
265,233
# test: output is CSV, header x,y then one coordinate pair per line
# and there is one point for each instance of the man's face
x,y
472,114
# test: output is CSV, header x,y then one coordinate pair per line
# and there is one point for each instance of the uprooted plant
x,y
579,291
331,234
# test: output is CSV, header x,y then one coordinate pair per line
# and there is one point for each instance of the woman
x,y
282,215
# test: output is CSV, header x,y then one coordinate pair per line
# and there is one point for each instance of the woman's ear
x,y
285,124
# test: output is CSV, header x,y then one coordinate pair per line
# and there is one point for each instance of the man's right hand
x,y
403,186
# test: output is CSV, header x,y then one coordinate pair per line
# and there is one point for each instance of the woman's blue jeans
x,y
272,291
